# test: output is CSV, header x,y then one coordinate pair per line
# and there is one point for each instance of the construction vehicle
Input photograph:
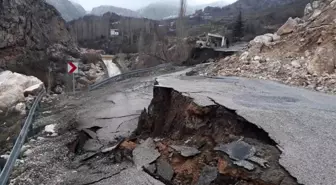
x,y
212,41
212,46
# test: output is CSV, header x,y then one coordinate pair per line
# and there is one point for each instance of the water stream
x,y
112,68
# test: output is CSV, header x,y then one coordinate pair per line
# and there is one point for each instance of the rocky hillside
x,y
117,10
169,9
246,6
302,52
159,10
34,39
69,10
79,7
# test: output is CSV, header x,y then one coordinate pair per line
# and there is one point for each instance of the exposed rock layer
x,y
33,38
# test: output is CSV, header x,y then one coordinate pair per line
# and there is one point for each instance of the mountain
x,y
170,9
162,10
79,8
117,10
69,10
248,6
213,4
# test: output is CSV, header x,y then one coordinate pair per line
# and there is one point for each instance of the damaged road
x,y
188,130
299,122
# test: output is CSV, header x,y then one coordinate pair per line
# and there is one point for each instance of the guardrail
x,y
131,74
6,171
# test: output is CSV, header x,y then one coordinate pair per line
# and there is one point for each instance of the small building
x,y
114,32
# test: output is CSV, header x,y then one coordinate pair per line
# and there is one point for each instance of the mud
x,y
179,121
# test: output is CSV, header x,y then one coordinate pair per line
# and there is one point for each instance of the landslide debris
x,y
301,53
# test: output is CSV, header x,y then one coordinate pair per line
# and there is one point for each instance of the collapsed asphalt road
x,y
186,117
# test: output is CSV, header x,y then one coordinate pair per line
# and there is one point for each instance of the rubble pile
x,y
300,53
204,145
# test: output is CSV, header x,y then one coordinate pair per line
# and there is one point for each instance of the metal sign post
x,y
72,69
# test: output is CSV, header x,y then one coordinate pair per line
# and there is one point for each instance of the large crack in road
x,y
205,131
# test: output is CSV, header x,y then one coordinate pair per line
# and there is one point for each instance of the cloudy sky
x,y
134,4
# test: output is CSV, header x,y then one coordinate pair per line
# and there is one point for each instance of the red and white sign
x,y
72,67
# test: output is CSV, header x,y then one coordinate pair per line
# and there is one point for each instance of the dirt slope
x,y
301,53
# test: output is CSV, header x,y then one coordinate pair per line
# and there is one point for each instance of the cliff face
x,y
33,38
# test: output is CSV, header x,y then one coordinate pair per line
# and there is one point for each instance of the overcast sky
x,y
133,4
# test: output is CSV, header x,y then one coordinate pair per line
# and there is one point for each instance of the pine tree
x,y
238,30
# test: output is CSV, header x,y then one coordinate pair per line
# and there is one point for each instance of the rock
x,y
34,90
245,164
255,62
333,4
18,162
12,86
319,88
40,138
165,170
21,108
50,128
264,39
58,89
92,145
208,175
109,149
324,60
244,56
151,168
24,149
237,150
275,37
288,27
257,58
308,10
84,81
296,64
262,162
145,153
5,157
27,153
315,14
186,151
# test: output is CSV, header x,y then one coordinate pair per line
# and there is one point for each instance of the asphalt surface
x,y
302,122
116,111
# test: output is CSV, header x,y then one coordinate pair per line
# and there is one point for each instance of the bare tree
x,y
141,42
181,19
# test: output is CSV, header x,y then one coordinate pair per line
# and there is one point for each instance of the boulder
x,y
324,60
21,108
265,39
289,26
308,10
58,89
244,56
34,89
296,63
13,86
